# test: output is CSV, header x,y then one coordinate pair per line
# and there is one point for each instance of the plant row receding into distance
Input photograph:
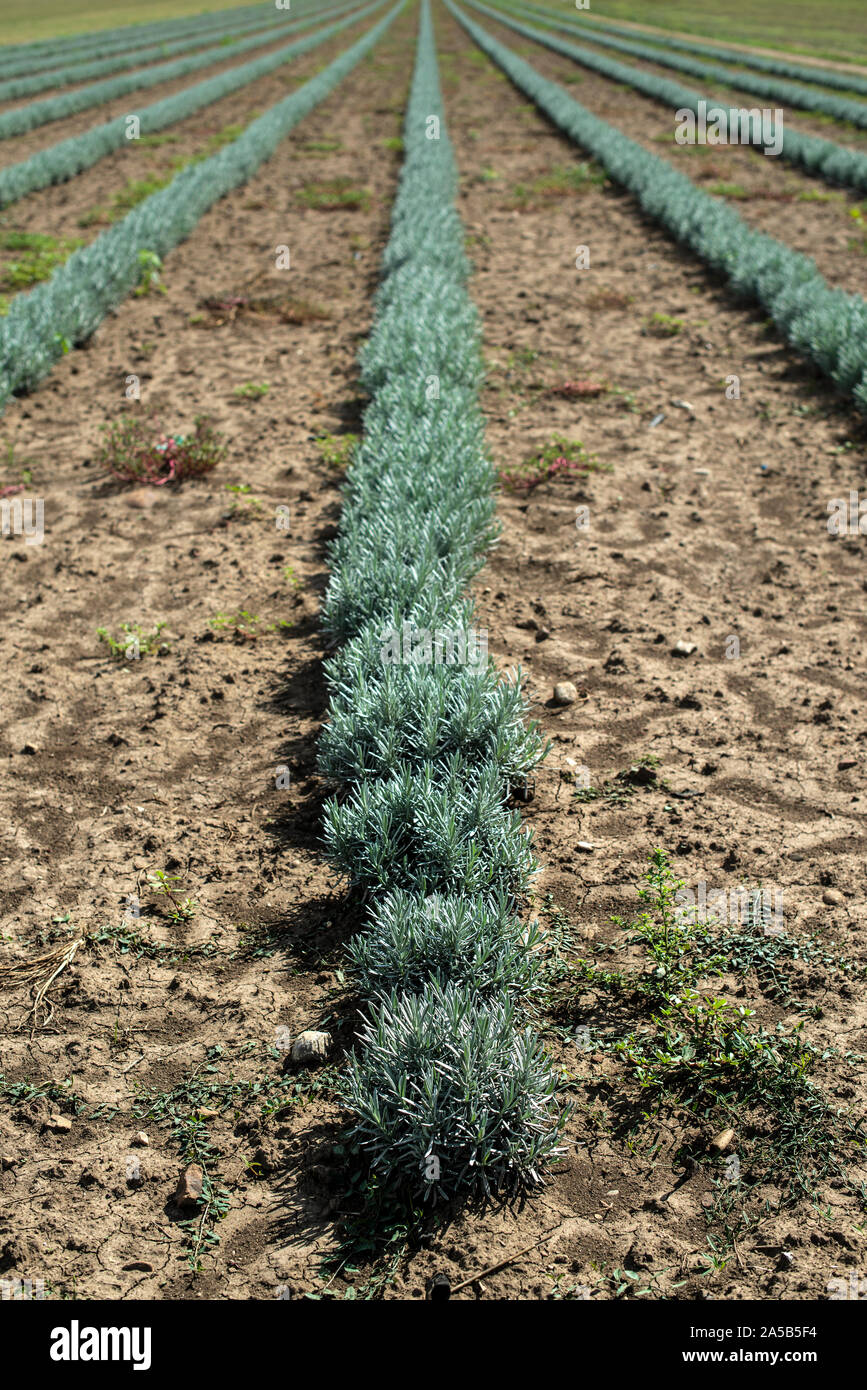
x,y
788,93
450,1094
31,57
781,67
826,159
21,119
41,325
828,325
62,161
129,57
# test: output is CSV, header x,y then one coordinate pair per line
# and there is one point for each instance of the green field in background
x,y
814,27
819,28
22,20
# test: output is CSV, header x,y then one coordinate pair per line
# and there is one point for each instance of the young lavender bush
x,y
475,942
432,829
412,714
450,1097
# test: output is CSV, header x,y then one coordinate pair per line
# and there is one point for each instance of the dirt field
x,y
743,759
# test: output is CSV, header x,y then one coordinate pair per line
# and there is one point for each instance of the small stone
x,y
189,1188
833,897
585,846
205,1114
141,1140
29,750
721,1141
683,405
8,1161
845,763
310,1049
682,648
61,1124
565,693
141,498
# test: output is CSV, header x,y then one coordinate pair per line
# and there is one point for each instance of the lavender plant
x,y
439,828
412,714
447,1090
478,943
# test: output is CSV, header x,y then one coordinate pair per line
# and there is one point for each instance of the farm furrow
x,y
849,110
64,160
834,162
783,201
54,77
432,829
77,210
781,67
21,147
22,58
172,762
20,120
41,326
824,324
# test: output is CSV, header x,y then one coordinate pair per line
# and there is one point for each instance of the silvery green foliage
x,y
36,113
419,713
435,828
789,93
362,654
828,325
29,57
478,943
428,749
445,1075
383,716
68,157
782,67
82,291
268,27
836,163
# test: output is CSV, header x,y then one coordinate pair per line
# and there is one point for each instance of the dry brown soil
x,y
707,526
